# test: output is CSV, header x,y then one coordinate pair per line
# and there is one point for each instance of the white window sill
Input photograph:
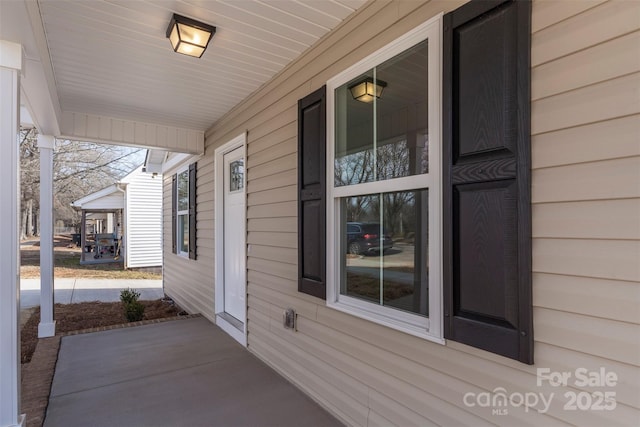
x,y
420,331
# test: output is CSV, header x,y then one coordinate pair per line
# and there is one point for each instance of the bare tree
x,y
79,168
29,183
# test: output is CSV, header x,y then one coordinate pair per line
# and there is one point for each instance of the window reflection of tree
x,y
392,160
183,191
237,175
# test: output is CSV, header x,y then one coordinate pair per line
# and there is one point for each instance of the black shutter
x,y
174,213
486,177
311,194
192,211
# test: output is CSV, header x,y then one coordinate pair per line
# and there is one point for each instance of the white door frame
x,y
239,335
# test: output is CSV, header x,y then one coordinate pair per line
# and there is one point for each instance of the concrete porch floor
x,y
179,373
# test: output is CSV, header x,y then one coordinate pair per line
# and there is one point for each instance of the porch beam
x,y
11,63
47,326
110,130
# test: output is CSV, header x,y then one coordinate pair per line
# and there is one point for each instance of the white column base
x,y
46,330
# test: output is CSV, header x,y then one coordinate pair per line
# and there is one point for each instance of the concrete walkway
x,y
83,290
179,373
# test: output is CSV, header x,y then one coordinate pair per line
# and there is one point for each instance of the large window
x,y
182,208
415,163
183,212
383,182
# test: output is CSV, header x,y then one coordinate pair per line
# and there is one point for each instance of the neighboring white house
x,y
123,222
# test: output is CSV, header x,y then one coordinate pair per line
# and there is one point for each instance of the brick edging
x,y
37,377
128,325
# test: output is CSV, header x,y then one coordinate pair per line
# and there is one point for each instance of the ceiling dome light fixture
x,y
188,36
367,89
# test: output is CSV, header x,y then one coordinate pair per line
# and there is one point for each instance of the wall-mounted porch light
x,y
366,89
188,36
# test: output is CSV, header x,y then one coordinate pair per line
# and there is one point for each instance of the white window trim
x,y
181,212
430,328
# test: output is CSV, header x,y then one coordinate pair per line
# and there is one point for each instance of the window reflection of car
x,y
365,238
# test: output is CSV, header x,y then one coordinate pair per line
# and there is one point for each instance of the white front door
x,y
230,238
234,234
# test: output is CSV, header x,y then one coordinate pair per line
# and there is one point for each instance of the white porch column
x,y
47,326
10,69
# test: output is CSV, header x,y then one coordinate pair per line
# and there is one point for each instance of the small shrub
x,y
129,295
133,310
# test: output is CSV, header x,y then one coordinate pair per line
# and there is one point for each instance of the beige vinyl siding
x,y
582,144
586,193
571,34
190,282
595,219
550,12
586,233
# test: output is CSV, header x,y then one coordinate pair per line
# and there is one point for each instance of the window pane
x,y
183,191
236,175
384,249
183,233
381,121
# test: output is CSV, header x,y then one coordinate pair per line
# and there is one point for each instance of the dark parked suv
x,y
364,237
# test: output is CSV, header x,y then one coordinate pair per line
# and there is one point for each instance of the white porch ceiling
x,y
110,58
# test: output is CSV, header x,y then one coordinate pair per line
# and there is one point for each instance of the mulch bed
x,y
89,315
